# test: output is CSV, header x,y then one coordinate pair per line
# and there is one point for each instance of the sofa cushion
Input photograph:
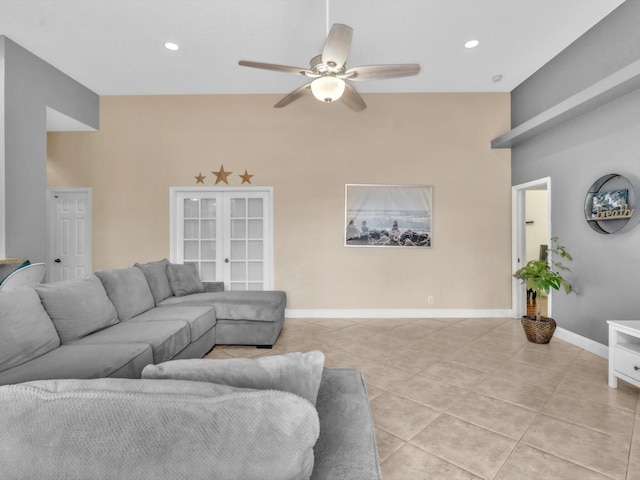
x,y
257,306
83,361
77,307
129,291
149,430
348,440
199,318
184,279
298,373
156,275
166,338
26,331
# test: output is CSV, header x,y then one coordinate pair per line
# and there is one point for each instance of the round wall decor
x,y
610,204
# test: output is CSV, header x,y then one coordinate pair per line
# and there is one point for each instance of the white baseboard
x,y
395,313
582,342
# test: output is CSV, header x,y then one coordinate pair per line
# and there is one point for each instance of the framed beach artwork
x,y
388,216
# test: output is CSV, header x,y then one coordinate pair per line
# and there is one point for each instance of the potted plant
x,y
541,276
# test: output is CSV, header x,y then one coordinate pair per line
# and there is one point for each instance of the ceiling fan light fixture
x,y
327,88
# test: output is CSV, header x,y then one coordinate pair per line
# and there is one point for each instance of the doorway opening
x,y
531,233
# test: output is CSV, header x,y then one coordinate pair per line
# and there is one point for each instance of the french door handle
x,y
226,260
57,260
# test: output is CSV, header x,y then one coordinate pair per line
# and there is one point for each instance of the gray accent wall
x,y
606,268
29,86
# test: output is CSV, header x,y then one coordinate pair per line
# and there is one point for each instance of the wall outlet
x,y
430,300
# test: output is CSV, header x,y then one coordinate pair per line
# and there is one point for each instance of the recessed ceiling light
x,y
171,46
471,44
496,78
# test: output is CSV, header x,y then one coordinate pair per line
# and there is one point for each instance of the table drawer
x,y
627,362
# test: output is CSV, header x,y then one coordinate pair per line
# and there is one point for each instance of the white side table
x,y
624,352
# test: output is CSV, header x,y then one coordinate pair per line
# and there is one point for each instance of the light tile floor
x,y
471,398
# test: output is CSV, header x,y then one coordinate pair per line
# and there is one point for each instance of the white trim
x,y
518,212
582,342
395,313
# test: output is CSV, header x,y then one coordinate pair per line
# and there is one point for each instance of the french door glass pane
x,y
238,250
238,207
191,250
208,250
255,271
208,208
255,229
208,271
207,229
238,272
255,286
255,207
191,208
191,229
238,229
255,249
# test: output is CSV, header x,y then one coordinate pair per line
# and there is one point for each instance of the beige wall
x,y
308,152
537,211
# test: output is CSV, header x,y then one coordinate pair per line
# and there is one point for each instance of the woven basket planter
x,y
538,331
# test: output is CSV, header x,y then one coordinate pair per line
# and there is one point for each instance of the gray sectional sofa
x,y
275,418
114,322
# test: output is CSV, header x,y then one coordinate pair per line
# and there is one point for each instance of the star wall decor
x,y
200,178
246,178
221,175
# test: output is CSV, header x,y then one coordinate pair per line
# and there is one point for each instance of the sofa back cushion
x,y
128,290
184,279
26,331
152,429
77,307
156,275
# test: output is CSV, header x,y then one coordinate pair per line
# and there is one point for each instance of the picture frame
x,y
396,216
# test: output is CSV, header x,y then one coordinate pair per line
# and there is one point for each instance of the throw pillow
x,y
77,307
298,373
184,279
156,274
128,290
26,263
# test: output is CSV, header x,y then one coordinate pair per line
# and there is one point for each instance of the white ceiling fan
x,y
330,75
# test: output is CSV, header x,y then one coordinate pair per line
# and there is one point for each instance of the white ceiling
x,y
115,47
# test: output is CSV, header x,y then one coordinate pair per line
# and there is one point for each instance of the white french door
x,y
226,233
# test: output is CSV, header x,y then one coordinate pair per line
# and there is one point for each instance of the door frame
x,y
173,212
518,239
51,217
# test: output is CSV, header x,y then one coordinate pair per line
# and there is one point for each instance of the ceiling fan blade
x,y
293,96
352,99
276,68
370,72
336,46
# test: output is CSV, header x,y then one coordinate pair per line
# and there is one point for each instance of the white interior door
x,y
226,232
69,234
